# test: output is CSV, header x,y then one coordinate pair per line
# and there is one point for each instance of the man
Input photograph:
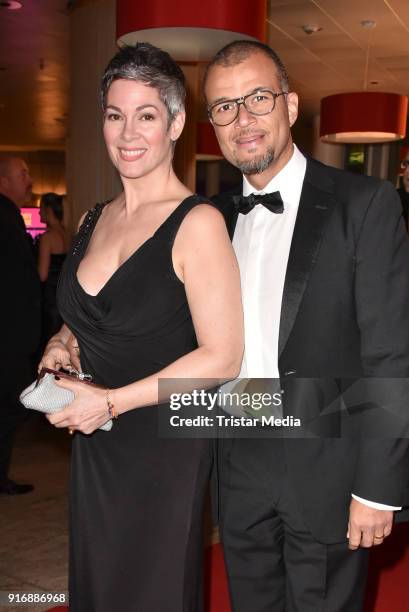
x,y
404,189
20,310
325,286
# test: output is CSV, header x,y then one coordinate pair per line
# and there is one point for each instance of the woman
x,y
151,291
53,247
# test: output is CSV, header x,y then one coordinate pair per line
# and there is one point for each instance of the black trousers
x,y
15,374
273,562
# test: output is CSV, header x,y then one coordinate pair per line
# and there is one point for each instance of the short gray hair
x,y
149,65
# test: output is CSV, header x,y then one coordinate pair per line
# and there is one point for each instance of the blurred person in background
x,y
404,188
20,310
53,247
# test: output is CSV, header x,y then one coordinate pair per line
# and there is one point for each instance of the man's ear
x,y
292,106
176,127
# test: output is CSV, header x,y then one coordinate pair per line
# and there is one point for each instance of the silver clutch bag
x,y
45,396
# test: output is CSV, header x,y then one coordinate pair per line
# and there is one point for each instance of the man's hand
x,y
367,526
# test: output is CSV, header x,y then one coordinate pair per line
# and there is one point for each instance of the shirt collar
x,y
288,181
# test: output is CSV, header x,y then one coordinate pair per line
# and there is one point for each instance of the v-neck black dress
x,y
136,498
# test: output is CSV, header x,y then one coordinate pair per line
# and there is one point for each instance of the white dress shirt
x,y
262,242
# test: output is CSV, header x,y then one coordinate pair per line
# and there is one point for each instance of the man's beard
x,y
257,165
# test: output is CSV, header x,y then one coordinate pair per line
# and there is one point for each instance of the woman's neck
x,y
158,186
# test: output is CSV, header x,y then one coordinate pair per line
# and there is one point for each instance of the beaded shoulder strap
x,y
86,227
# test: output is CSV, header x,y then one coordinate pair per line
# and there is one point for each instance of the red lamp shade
x,y
190,32
207,146
363,117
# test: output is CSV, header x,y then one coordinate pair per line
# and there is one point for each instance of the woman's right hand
x,y
56,355
61,352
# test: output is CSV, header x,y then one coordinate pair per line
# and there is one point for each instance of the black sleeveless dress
x,y
136,499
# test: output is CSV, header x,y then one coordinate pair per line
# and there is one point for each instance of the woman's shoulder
x,y
202,222
203,210
45,237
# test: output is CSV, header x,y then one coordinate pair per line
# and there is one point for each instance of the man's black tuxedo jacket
x,y
345,315
20,304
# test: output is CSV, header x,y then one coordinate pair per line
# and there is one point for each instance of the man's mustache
x,y
247,133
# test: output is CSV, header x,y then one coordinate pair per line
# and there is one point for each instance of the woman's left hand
x,y
86,413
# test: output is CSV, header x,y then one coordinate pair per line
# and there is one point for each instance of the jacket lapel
x,y
316,205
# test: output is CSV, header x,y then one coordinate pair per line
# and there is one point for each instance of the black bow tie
x,y
272,201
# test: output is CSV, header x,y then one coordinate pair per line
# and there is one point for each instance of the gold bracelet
x,y
111,408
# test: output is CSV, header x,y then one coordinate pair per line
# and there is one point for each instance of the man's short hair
x,y
151,66
239,50
5,162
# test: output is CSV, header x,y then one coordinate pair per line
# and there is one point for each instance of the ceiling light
x,y
364,116
311,29
11,5
368,24
189,34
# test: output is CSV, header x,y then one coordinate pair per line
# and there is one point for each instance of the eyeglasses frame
x,y
242,100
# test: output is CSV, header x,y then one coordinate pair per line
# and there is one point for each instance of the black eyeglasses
x,y
260,102
404,164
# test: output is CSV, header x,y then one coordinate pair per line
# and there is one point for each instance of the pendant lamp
x,y
190,31
363,116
